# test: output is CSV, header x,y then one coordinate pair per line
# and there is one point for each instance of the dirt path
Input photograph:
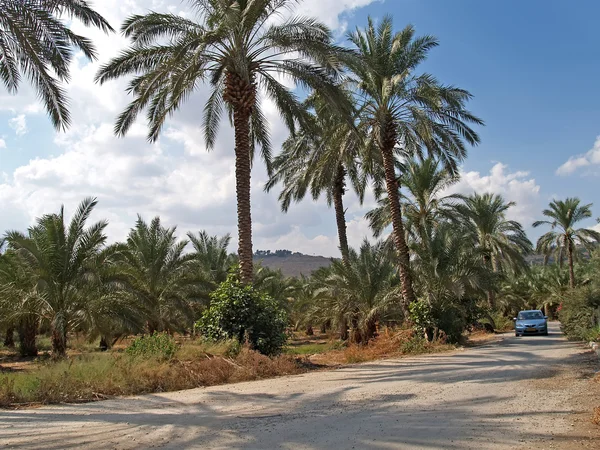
x,y
520,392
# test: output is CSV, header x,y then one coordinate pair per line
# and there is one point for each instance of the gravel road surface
x,y
503,395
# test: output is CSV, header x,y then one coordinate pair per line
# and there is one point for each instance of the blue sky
x,y
532,66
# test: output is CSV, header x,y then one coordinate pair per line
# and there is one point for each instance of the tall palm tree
x,y
321,158
423,205
158,275
406,113
237,48
60,257
36,43
563,236
503,243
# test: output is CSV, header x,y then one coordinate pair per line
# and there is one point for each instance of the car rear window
x,y
528,315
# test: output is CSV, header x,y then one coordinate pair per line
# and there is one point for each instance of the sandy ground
x,y
516,393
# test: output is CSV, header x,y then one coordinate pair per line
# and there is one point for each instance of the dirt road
x,y
505,395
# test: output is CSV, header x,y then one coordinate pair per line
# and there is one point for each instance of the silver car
x,y
531,322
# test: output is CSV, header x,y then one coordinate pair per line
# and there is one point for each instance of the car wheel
x,y
517,335
546,333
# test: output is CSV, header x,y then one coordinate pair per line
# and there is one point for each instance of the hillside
x,y
291,264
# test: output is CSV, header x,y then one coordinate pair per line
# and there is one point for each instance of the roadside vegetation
x,y
82,319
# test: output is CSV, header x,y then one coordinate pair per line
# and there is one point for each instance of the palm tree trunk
x,y
241,94
571,266
344,329
387,151
59,343
339,189
28,329
9,337
491,296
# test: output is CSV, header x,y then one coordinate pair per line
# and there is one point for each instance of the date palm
x,y
158,275
237,48
60,257
407,112
37,44
564,236
359,293
423,204
319,159
502,242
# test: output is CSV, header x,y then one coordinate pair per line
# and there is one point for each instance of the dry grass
x,y
388,344
93,375
101,375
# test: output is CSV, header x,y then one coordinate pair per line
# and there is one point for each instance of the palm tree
x,y
449,274
17,290
210,253
563,236
158,275
361,293
60,257
320,158
502,242
36,43
406,113
236,47
424,206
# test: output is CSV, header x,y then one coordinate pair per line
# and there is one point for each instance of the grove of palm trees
x,y
364,118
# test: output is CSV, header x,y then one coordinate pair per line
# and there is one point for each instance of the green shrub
x,y
158,345
578,313
241,312
449,318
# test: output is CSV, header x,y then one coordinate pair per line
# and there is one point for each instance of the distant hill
x,y
291,264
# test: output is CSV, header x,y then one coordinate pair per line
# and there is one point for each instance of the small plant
x,y
416,344
158,345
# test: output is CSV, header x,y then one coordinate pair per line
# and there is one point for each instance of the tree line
x,y
371,120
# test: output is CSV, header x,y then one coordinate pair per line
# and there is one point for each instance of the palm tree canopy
x,y
415,111
563,217
61,259
312,158
423,204
35,42
232,42
501,240
157,274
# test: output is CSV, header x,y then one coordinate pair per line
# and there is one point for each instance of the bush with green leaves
x,y
157,345
580,312
241,312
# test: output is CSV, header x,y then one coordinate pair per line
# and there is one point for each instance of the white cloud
x,y
2,143
592,157
18,124
513,186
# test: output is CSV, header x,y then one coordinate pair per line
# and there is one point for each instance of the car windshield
x,y
528,315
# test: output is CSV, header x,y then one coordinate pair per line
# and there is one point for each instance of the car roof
x,y
530,310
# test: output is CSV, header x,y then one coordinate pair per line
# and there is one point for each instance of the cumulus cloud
x,y
517,186
2,143
18,124
592,157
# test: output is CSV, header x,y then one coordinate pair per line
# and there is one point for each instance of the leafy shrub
x,y
158,345
449,318
578,314
240,312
